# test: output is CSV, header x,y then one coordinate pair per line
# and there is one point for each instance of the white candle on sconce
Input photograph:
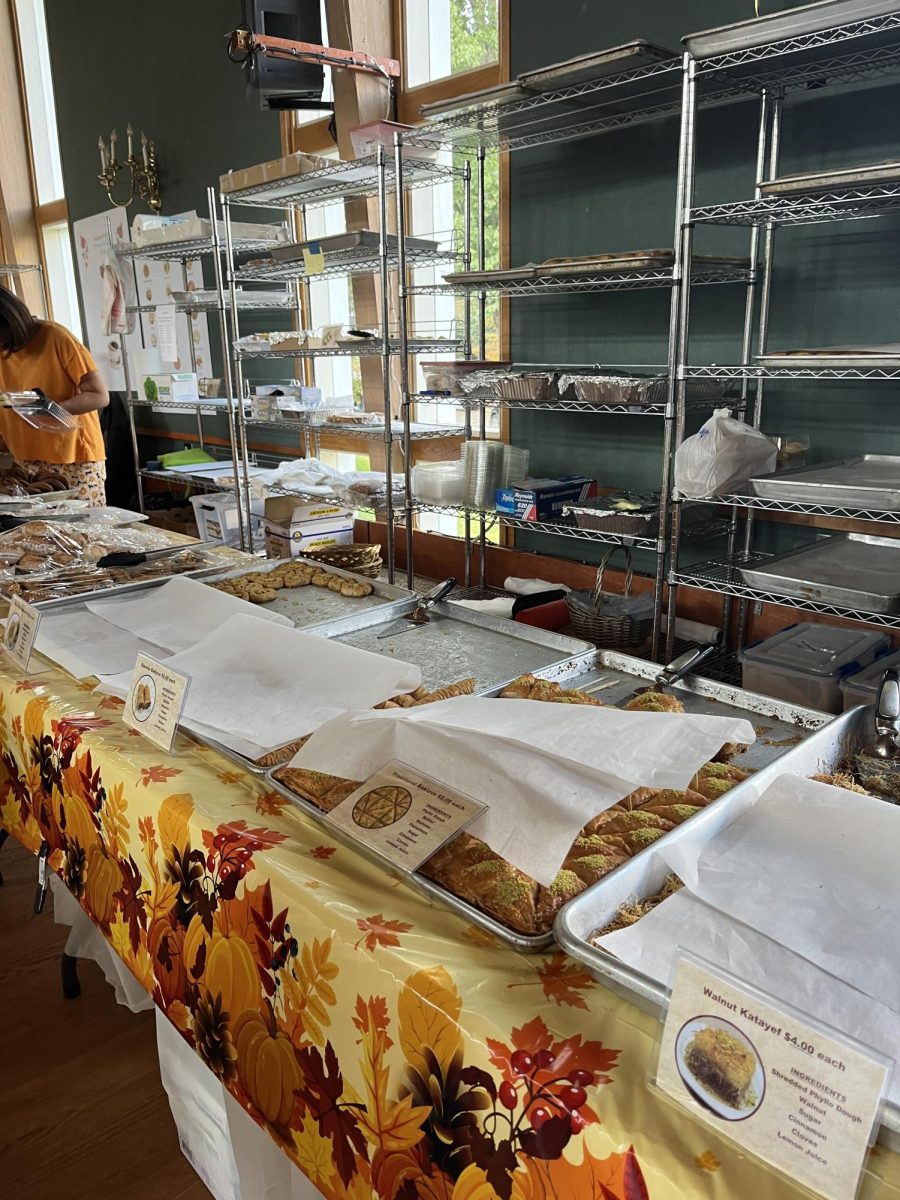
x,y
101,146
144,153
130,133
113,138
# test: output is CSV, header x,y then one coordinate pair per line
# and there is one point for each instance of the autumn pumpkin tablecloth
x,y
391,1049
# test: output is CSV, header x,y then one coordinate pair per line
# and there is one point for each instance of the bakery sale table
x,y
389,1047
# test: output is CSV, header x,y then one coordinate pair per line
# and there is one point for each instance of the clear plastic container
x,y
805,663
439,482
862,686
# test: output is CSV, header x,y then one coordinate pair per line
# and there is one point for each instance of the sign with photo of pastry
x,y
155,701
803,1098
20,631
403,815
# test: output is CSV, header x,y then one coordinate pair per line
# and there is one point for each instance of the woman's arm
x,y
92,395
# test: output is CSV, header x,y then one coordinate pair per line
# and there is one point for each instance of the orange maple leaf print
x,y
270,803
380,931
110,702
230,777
158,774
323,851
707,1161
562,980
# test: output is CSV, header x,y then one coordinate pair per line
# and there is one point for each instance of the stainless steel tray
x,y
871,481
501,93
587,68
359,239
823,751
839,357
458,642
121,589
853,570
818,181
778,723
808,18
310,607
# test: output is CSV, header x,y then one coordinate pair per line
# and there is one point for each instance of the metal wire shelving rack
x,y
12,271
375,176
523,119
185,252
821,59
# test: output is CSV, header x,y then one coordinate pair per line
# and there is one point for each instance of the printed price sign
x,y
313,259
20,632
155,701
800,1096
403,815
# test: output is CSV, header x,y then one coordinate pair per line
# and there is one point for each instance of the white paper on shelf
x,y
265,685
166,332
176,615
815,868
543,769
500,606
84,644
686,922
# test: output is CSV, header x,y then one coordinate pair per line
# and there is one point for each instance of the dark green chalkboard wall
x,y
833,283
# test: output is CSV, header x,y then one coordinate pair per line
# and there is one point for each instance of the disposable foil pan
x,y
821,752
855,571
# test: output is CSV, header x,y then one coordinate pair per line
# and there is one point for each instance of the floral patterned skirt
x,y
88,478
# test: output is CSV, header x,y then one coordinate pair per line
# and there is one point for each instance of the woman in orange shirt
x,y
41,354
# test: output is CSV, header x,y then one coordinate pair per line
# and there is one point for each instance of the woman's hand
x,y
92,395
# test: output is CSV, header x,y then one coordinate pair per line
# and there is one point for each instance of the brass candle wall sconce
x,y
144,179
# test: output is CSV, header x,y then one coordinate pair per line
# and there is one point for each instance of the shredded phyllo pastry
x,y
631,913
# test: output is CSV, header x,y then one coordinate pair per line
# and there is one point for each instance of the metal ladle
x,y
878,764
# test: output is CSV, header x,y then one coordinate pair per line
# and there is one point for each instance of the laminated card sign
x,y
20,631
799,1096
403,815
155,700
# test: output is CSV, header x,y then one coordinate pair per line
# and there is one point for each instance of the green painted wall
x,y
163,67
833,284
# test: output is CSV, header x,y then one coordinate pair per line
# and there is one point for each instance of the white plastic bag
x,y
722,456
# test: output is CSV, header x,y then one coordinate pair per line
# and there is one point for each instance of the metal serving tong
x,y
677,669
131,558
878,764
419,615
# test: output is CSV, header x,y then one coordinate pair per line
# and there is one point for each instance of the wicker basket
x,y
599,616
361,557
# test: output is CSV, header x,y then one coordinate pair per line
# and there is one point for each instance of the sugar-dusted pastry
x,y
350,587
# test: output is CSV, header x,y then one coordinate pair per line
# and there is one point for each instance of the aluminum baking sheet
x,y
123,589
587,68
839,357
458,643
870,481
309,607
853,570
358,239
502,93
808,18
818,181
824,751
778,723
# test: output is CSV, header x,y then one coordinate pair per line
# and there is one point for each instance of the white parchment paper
x,y
262,684
176,615
84,644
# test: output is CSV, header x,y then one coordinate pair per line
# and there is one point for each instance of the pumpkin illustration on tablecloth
x,y
77,823
166,943
267,1065
381,807
231,973
103,879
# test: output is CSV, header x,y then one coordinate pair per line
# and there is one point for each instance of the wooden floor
x,y
83,1114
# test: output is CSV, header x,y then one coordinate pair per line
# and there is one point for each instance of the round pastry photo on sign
x,y
720,1067
11,633
381,807
144,697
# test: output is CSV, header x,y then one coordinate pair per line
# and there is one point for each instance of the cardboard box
x,y
287,167
543,499
180,387
290,541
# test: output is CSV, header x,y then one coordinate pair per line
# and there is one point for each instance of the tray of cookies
x,y
311,593
489,892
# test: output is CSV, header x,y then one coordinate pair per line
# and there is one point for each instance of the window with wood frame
x,y
51,210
